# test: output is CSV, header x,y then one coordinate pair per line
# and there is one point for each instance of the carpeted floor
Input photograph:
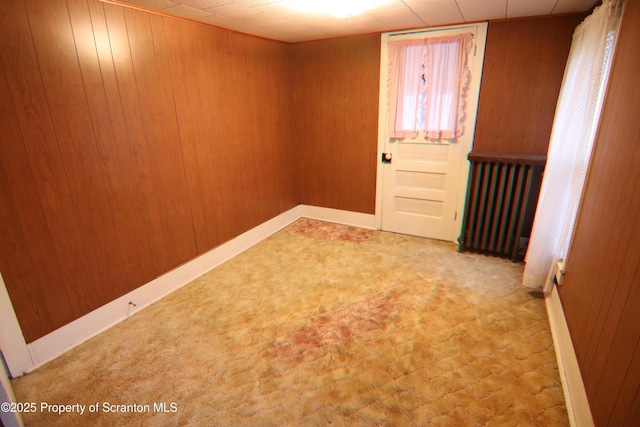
x,y
321,324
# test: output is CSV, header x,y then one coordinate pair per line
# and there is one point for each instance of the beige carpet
x,y
321,324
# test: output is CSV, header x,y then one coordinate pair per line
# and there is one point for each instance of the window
x,y
427,82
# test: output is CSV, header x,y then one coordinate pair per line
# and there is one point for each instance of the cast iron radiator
x,y
502,195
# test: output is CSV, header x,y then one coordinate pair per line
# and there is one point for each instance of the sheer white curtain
x,y
446,78
405,86
428,79
572,136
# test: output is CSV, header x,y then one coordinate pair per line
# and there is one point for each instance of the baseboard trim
x,y
575,394
80,330
355,219
27,357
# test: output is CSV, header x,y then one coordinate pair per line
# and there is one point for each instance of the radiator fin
x,y
501,198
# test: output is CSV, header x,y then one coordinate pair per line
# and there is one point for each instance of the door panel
x,y
423,187
420,193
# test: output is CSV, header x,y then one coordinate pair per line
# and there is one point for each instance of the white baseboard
x,y
575,395
23,358
355,219
75,333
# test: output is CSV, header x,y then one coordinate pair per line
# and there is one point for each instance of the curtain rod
x,y
435,29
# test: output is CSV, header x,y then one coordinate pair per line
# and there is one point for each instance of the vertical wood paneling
x,y
113,46
59,68
138,139
231,157
20,263
618,380
628,405
270,100
600,294
162,170
27,91
99,128
245,174
115,192
627,409
14,245
336,103
523,68
196,125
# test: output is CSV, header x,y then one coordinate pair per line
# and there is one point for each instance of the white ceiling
x,y
275,19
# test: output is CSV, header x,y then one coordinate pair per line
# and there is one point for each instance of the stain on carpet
x,y
329,231
304,329
344,326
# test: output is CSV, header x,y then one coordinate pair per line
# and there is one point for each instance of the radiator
x,y
502,195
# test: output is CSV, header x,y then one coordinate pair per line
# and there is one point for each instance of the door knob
x,y
386,157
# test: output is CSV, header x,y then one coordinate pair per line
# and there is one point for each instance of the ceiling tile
x,y
519,8
217,20
366,23
398,18
185,12
388,4
294,33
234,10
265,19
436,12
230,24
285,27
482,10
313,21
569,6
153,4
254,3
203,4
279,20
279,7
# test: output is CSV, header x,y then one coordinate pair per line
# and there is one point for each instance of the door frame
x,y
12,343
8,418
383,121
16,355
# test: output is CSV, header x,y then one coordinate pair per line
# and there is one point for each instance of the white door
x,y
424,186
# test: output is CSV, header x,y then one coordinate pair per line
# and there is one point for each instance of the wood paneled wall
x,y
339,79
523,69
336,118
131,143
601,290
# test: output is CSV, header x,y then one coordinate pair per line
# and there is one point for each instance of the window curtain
x,y
428,80
405,87
572,136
